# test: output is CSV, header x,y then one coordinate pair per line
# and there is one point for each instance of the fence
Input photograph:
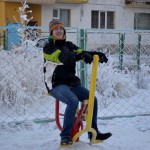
x,y
123,84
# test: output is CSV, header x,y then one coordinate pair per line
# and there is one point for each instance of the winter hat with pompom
x,y
56,23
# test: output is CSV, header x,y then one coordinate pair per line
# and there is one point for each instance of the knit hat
x,y
53,24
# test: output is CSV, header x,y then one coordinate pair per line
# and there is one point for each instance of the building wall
x,y
128,17
36,13
87,8
47,12
81,13
12,14
9,13
2,14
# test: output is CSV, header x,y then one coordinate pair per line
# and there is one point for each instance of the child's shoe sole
x,y
66,146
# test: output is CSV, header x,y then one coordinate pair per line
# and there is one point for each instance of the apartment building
x,y
97,14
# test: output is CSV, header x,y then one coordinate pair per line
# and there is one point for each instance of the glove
x,y
102,57
86,57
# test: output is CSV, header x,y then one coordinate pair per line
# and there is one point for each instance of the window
x,y
55,14
95,16
102,19
110,20
63,15
142,21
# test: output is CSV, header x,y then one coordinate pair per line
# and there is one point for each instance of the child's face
x,y
58,32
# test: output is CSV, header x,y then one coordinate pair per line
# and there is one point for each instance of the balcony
x,y
138,3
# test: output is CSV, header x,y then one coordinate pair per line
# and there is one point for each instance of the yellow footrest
x,y
96,141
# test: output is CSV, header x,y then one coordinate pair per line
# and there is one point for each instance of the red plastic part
x,y
78,122
57,114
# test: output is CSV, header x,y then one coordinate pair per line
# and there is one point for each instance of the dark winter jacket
x,y
60,59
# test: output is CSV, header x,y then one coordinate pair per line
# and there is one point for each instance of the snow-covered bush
x,y
26,33
143,76
24,20
21,70
21,79
113,83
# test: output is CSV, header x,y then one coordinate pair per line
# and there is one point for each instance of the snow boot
x,y
99,138
66,143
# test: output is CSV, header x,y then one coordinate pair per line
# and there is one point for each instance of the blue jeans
x,y
71,95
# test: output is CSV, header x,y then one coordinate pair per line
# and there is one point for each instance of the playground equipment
x,y
85,113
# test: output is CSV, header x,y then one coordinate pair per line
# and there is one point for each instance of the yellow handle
x,y
92,91
90,101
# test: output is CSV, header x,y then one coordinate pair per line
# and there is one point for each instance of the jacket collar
x,y
56,42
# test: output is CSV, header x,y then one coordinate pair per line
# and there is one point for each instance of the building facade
x,y
98,14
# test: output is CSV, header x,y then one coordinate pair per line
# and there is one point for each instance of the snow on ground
x,y
128,134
